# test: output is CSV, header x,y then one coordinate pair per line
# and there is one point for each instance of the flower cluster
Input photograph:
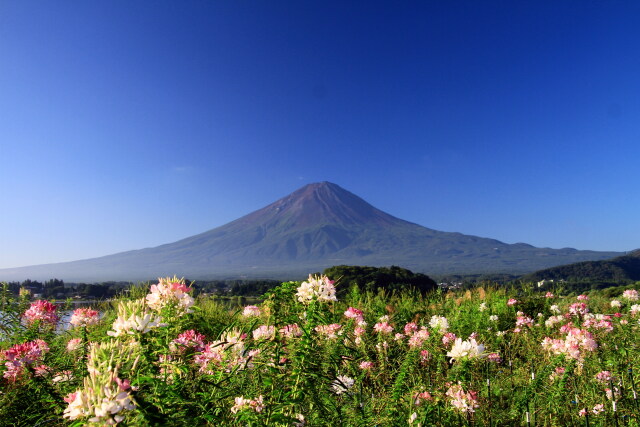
x,y
416,336
242,404
355,314
578,309
291,331
21,356
251,311
133,318
329,331
318,288
575,343
630,295
188,340
42,311
170,293
440,323
463,401
264,332
103,398
224,354
84,317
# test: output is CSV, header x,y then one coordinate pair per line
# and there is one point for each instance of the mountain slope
x,y
620,269
315,227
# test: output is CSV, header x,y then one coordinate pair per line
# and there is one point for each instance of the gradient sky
x,y
128,124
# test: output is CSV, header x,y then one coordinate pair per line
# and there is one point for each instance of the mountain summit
x,y
315,227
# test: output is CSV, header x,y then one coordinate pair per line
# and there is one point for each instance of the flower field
x,y
306,357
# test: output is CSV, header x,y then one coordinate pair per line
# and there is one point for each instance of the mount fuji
x,y
315,227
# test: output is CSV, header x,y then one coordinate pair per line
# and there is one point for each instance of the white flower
x,y
342,384
264,332
251,311
616,304
133,318
630,295
483,306
493,318
439,322
465,349
554,309
318,288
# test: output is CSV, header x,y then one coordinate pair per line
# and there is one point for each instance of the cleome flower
x,y
291,331
242,404
342,384
170,293
224,354
461,400
134,318
84,317
464,350
575,344
21,356
103,399
42,311
440,323
188,340
251,311
630,295
317,288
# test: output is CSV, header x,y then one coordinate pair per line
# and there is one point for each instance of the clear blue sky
x,y
128,124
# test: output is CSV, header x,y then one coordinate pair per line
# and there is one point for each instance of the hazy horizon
x,y
130,125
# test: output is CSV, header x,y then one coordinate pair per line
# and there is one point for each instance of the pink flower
x,y
418,338
597,409
241,404
354,313
549,295
583,412
524,321
42,311
603,376
410,328
291,331
329,331
20,356
494,357
383,328
251,311
170,293
424,356
366,365
461,400
190,340
449,337
84,317
582,298
74,344
512,301
630,295
424,396
578,309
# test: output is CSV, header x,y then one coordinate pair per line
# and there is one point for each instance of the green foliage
x,y
373,278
